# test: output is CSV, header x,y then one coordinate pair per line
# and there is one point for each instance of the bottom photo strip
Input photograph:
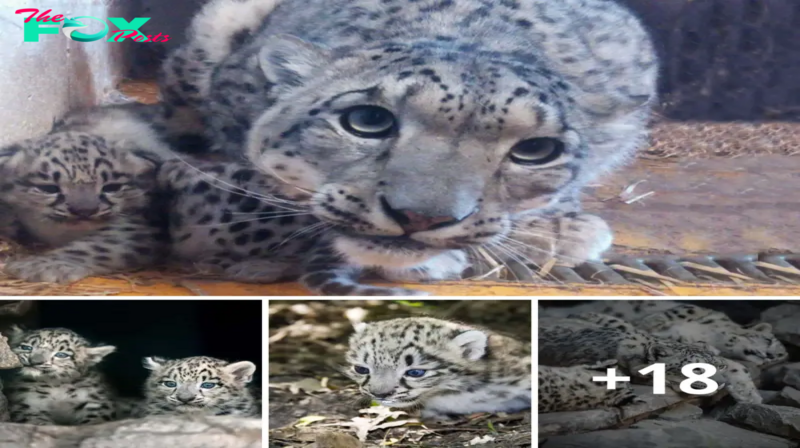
x,y
131,373
613,373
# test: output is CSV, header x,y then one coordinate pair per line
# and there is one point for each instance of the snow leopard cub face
x,y
56,353
196,383
71,182
410,151
401,362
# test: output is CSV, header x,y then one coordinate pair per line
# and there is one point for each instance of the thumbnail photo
x,y
168,373
663,373
433,373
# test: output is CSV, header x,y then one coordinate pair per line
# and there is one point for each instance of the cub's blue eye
x,y
361,370
415,373
170,384
26,348
208,385
62,355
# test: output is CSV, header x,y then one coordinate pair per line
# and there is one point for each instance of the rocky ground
x,y
673,421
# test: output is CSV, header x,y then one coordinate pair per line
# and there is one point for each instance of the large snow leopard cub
x,y
420,129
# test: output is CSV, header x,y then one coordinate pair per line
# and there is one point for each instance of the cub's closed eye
x,y
361,370
48,189
537,151
415,373
111,188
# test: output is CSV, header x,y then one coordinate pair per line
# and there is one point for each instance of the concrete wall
x,y
39,81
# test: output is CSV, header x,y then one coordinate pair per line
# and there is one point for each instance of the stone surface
x,y
583,421
683,411
154,432
789,396
769,395
781,421
782,375
8,360
784,320
668,434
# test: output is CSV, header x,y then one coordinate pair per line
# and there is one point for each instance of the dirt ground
x,y
309,399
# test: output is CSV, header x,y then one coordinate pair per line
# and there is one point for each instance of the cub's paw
x,y
571,239
447,266
47,270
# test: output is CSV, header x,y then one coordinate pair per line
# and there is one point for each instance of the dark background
x,y
722,60
225,329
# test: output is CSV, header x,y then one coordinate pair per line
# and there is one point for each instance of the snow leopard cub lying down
x,y
417,137
84,193
444,368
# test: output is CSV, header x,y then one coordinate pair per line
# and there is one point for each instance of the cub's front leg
x,y
121,246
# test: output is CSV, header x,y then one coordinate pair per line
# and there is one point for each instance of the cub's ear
x,y
471,343
96,354
143,162
153,362
762,327
14,333
658,351
288,60
241,371
11,155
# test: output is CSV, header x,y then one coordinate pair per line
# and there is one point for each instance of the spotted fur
x,y
562,345
59,382
199,385
276,85
572,389
84,193
4,415
442,367
692,324
731,375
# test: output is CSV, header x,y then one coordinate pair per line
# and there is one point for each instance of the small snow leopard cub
x,y
445,368
85,193
59,383
198,385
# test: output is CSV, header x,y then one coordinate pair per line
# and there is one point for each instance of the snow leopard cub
x,y
417,136
85,193
198,385
59,382
446,368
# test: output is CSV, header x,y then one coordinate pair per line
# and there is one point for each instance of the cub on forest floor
x,y
445,368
